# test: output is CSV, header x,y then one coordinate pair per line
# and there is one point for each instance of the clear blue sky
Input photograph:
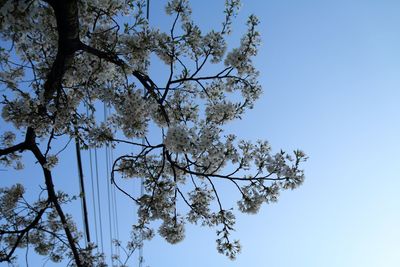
x,y
330,73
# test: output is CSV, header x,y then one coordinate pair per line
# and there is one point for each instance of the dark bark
x,y
19,147
21,234
52,197
66,13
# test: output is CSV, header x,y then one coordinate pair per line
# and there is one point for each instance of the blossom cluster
x,y
46,237
109,68
7,139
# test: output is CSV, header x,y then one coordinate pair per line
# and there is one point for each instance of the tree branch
x,y
19,147
52,196
21,234
66,13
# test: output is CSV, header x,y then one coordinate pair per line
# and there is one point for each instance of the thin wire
x,y
141,194
148,10
143,142
115,223
82,210
93,199
98,200
108,195
93,192
115,201
82,192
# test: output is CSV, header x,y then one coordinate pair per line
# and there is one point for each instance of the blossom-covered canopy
x,y
61,58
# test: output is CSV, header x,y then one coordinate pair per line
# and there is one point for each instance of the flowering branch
x,y
74,54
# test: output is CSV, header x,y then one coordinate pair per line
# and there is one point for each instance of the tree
x,y
64,57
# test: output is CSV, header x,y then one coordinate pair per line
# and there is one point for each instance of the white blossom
x,y
179,6
106,68
51,162
221,112
215,43
7,138
99,135
177,139
173,230
200,206
133,114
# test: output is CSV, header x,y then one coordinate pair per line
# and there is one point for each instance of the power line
x,y
82,190
148,10
110,215
114,199
93,198
98,200
143,142
93,190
